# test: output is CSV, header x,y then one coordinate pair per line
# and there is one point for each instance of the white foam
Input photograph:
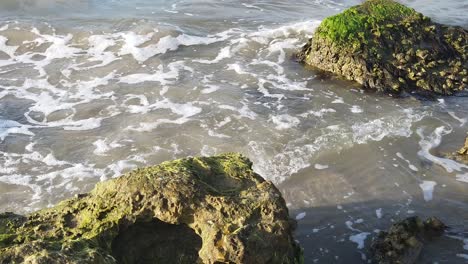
x,y
118,168
428,189
378,129
356,109
243,111
83,124
167,43
320,166
210,88
338,101
225,121
252,6
9,50
50,160
212,133
462,177
411,166
359,239
224,53
8,127
98,44
50,99
306,28
433,140
59,48
279,46
349,225
319,113
160,75
301,215
285,121
207,151
297,154
378,213
184,111
237,68
461,120
103,146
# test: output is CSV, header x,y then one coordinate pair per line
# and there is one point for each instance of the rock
x,y
460,155
404,241
389,47
193,210
464,150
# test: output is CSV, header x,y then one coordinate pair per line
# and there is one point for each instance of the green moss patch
x,y
354,25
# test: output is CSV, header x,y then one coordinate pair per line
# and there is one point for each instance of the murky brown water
x,y
92,89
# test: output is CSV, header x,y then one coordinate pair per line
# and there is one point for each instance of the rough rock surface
x,y
194,210
464,150
461,155
389,47
404,241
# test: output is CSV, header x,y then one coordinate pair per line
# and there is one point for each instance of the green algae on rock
x,y
386,46
404,240
193,210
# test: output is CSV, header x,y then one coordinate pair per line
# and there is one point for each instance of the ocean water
x,y
92,89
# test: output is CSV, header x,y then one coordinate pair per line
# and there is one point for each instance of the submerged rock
x,y
389,47
194,210
404,241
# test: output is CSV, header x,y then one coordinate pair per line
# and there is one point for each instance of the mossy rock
x,y
193,210
389,47
403,242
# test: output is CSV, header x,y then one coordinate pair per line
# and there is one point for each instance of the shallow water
x,y
91,89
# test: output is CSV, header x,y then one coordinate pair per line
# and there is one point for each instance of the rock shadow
x,y
156,242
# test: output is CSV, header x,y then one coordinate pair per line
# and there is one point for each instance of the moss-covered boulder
x,y
403,242
194,210
389,47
